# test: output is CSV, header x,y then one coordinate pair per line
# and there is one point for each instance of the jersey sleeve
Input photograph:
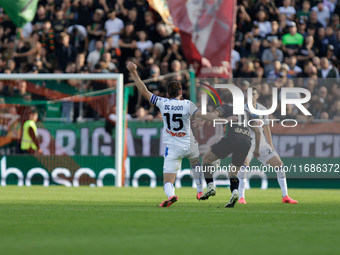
x,y
157,101
193,109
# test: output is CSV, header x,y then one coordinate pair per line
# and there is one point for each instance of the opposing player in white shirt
x,y
268,156
178,137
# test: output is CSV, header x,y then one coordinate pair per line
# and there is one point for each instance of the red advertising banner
x,y
206,29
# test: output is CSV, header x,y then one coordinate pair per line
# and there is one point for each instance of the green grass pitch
x,y
60,220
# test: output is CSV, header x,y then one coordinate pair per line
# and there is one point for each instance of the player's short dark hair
x,y
227,97
173,88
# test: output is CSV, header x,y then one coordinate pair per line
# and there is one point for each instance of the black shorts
x,y
237,145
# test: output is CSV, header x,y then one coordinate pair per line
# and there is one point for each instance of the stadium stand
x,y
278,40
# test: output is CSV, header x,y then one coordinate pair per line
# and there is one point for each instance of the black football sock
x,y
234,183
208,173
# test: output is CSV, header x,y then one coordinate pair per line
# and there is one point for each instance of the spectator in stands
x,y
138,59
330,54
294,69
11,65
311,85
304,13
321,42
95,29
106,63
143,114
335,111
94,56
83,9
288,9
275,73
143,43
273,35
322,12
78,37
47,60
68,10
255,52
157,53
316,62
302,27
243,19
263,23
113,27
324,116
307,51
21,89
127,43
247,69
173,52
309,70
60,23
66,53
311,31
164,67
40,18
313,20
327,70
335,23
264,5
150,27
156,85
270,55
235,59
80,62
31,49
50,8
319,102
249,38
283,23
39,67
331,37
182,78
292,42
47,37
292,95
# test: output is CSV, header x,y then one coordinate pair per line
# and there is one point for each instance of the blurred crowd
x,y
277,43
292,44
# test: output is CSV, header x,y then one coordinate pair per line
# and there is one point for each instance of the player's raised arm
x,y
132,67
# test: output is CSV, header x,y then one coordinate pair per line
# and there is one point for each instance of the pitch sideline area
x,y
84,220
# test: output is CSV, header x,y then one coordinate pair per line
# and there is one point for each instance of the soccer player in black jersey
x,y
236,141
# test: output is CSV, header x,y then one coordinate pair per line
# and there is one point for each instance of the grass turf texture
x,y
59,220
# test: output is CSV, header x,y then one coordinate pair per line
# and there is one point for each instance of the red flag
x,y
206,29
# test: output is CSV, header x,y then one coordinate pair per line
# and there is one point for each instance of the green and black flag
x,y
20,11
